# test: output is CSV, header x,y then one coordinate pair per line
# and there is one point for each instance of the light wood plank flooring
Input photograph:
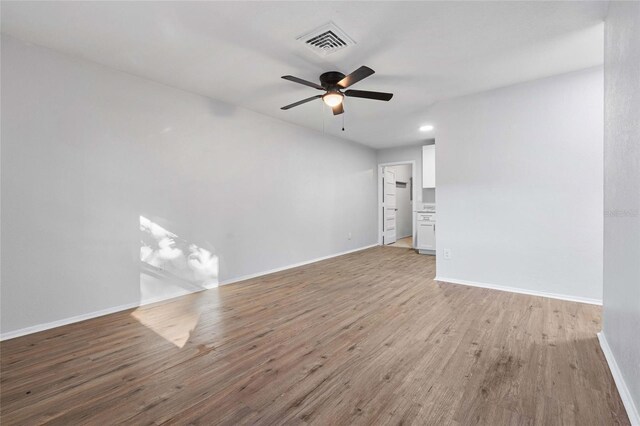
x,y
366,338
406,242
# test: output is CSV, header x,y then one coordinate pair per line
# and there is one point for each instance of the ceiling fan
x,y
332,83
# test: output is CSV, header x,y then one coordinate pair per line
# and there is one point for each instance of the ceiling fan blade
x,y
301,81
359,74
304,101
338,109
378,96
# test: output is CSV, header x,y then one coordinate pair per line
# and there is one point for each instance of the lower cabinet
x,y
426,231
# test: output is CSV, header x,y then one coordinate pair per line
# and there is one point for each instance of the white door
x,y
389,207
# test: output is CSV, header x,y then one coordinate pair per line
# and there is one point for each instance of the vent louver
x,y
326,39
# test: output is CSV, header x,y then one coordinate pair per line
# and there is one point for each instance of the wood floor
x,y
366,338
406,242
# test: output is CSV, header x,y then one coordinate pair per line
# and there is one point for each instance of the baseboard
x,y
66,321
294,265
623,390
522,291
59,323
90,315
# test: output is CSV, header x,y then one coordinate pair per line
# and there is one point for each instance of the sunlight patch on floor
x,y
173,322
171,266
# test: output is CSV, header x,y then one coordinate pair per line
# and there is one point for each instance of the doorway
x,y
396,195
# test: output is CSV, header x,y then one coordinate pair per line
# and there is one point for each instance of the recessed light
x,y
426,128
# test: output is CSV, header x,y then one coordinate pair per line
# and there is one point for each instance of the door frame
x,y
414,197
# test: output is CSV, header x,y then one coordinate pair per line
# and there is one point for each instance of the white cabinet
x,y
426,236
429,166
426,231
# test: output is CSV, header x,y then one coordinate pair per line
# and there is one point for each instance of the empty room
x,y
320,212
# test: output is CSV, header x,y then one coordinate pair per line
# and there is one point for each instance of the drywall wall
x,y
404,215
621,304
99,166
519,181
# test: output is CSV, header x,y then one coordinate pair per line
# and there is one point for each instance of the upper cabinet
x,y
429,166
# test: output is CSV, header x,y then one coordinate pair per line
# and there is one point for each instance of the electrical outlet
x,y
349,236
446,253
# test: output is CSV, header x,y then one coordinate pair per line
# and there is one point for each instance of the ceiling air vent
x,y
326,39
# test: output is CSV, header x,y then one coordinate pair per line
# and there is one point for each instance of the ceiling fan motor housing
x,y
329,80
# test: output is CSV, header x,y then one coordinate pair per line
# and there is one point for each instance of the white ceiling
x,y
423,52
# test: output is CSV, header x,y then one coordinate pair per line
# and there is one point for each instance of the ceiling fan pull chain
x,y
343,122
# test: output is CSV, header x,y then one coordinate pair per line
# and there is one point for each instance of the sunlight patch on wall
x,y
166,255
171,266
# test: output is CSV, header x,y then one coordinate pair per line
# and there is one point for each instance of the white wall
x,y
404,215
621,311
519,180
87,150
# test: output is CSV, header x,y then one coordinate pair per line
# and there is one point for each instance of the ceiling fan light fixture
x,y
333,98
332,83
